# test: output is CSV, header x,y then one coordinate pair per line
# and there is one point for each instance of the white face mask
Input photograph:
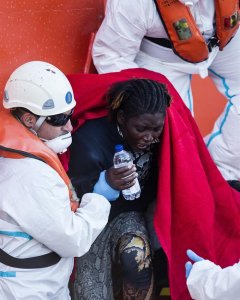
x,y
60,144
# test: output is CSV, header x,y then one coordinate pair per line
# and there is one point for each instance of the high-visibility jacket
x,y
186,39
16,141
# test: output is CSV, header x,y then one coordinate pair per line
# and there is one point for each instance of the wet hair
x,y
136,97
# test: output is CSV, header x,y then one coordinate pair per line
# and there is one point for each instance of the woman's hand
x,y
121,178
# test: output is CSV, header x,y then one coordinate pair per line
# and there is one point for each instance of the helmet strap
x,y
38,124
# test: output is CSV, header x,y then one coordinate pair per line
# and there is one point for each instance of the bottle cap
x,y
118,148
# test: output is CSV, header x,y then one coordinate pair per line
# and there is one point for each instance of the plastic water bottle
x,y
121,159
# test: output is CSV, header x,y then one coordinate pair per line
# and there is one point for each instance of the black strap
x,y
213,42
23,153
36,262
160,41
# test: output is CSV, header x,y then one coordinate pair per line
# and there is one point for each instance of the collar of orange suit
x,y
17,142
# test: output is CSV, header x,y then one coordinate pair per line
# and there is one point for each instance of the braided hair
x,y
136,97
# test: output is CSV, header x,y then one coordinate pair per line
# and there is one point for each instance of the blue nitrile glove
x,y
195,258
104,189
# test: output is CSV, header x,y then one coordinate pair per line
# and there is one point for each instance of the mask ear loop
x,y
38,124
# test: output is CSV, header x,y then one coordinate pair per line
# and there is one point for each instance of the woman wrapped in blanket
x,y
120,262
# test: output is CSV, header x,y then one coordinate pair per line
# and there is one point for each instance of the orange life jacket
x,y
16,141
186,39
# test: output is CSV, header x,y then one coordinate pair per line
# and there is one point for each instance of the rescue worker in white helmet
x,y
178,39
39,232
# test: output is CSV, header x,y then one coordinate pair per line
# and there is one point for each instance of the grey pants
x,y
119,263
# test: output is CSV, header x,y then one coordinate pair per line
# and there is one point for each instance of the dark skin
x,y
139,132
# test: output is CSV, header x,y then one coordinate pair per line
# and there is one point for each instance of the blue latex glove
x,y
195,258
104,189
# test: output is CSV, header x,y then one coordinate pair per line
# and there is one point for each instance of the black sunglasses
x,y
59,120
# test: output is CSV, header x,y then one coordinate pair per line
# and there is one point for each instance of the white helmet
x,y
39,87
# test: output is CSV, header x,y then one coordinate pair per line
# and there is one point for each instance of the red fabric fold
x,y
196,208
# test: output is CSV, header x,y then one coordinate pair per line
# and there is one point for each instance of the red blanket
x,y
196,208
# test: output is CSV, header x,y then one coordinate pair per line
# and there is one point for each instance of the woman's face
x,y
141,131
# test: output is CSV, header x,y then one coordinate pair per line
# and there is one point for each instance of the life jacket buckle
x,y
213,42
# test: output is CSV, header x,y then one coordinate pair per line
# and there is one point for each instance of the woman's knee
x,y
135,256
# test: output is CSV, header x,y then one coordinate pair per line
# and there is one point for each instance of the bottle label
x,y
132,190
124,164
